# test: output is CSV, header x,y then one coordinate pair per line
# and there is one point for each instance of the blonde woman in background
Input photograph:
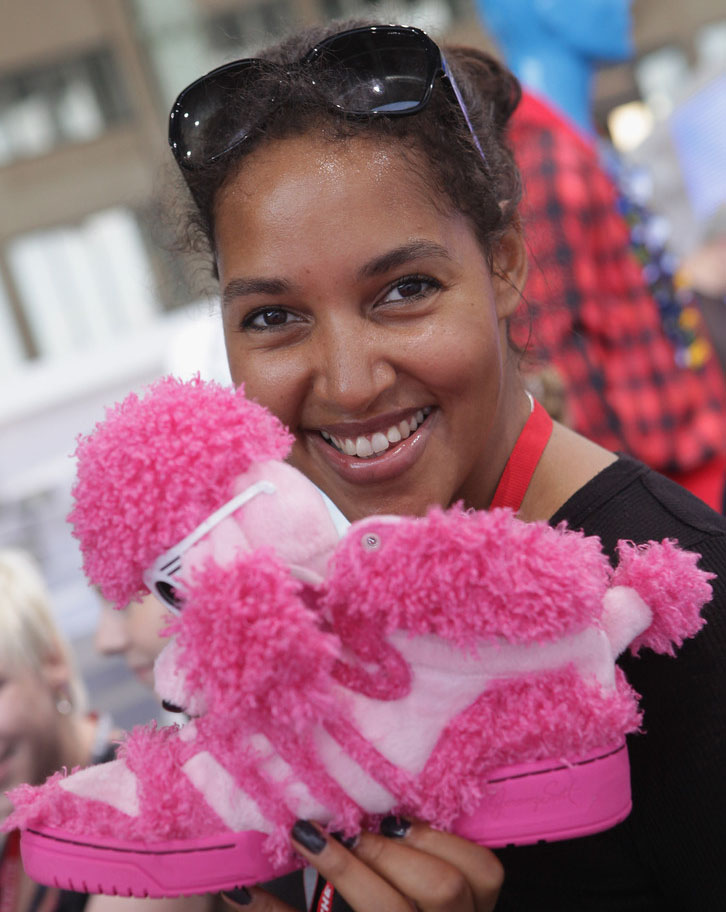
x,y
45,726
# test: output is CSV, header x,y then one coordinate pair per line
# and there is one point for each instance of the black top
x,y
670,853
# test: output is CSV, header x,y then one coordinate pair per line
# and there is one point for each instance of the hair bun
x,y
487,77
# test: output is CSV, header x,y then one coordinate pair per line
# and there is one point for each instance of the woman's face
x,y
366,318
134,633
30,738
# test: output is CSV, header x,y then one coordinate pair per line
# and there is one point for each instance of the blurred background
x,y
94,302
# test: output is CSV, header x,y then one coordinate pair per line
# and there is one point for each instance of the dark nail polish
x,y
350,842
240,895
395,827
306,834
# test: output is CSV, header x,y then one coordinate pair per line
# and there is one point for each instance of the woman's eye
x,y
268,318
411,287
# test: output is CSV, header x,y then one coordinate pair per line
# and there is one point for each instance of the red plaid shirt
x,y
589,311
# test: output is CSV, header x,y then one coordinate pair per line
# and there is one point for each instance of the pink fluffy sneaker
x,y
459,668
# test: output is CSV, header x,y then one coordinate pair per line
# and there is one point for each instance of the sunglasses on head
x,y
375,71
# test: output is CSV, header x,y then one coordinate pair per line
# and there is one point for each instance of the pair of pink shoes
x,y
458,668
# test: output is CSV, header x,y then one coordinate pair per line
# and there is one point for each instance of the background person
x,y
369,267
134,633
43,720
605,306
45,726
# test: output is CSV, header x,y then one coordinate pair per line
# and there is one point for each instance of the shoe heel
x,y
550,800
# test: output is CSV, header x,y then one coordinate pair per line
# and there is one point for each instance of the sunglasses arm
x,y
169,563
460,101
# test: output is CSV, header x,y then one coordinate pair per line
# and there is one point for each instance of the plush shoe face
x,y
296,521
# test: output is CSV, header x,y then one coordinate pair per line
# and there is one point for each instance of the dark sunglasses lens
x,y
168,594
378,72
210,118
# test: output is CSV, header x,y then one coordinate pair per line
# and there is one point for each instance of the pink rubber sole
x,y
127,869
547,801
523,804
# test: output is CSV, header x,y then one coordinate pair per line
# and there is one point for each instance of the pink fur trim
x,y
671,584
156,467
556,714
464,576
170,805
248,643
49,805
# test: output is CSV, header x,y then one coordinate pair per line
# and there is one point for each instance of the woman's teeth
x,y
374,444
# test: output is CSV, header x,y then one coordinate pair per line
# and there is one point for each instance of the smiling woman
x,y
360,203
368,331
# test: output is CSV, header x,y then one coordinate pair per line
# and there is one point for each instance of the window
x,y
710,44
660,75
11,345
433,16
183,41
70,101
85,284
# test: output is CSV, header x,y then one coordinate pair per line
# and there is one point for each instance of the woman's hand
x,y
408,866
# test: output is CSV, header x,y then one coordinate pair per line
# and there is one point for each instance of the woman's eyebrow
x,y
399,256
239,288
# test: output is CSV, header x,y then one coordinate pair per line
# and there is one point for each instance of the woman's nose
x,y
110,637
354,368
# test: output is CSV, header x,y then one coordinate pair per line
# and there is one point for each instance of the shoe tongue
x,y
339,521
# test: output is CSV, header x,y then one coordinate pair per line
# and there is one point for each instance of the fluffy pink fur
x,y
556,714
156,467
252,640
51,806
465,576
670,582
251,646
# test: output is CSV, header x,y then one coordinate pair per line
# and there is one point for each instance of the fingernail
x,y
306,834
395,827
240,895
350,842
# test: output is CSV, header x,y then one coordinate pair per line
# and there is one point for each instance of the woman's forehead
x,y
333,189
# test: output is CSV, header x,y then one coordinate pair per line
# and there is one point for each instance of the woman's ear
x,y
509,272
55,671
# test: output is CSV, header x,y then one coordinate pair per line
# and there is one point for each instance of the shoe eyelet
x,y
370,541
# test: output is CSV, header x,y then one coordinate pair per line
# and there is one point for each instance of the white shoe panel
x,y
446,681
236,808
361,787
113,783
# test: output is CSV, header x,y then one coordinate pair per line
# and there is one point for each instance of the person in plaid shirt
x,y
602,304
590,312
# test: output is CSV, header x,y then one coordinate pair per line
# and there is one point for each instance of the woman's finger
x,y
438,871
359,885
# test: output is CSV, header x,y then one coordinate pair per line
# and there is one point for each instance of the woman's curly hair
x,y
488,193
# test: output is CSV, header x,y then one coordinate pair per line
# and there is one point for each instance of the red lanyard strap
x,y
523,459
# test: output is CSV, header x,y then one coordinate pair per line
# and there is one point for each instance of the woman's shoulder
x,y
628,500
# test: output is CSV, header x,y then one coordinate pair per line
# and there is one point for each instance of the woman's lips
x,y
389,463
356,440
